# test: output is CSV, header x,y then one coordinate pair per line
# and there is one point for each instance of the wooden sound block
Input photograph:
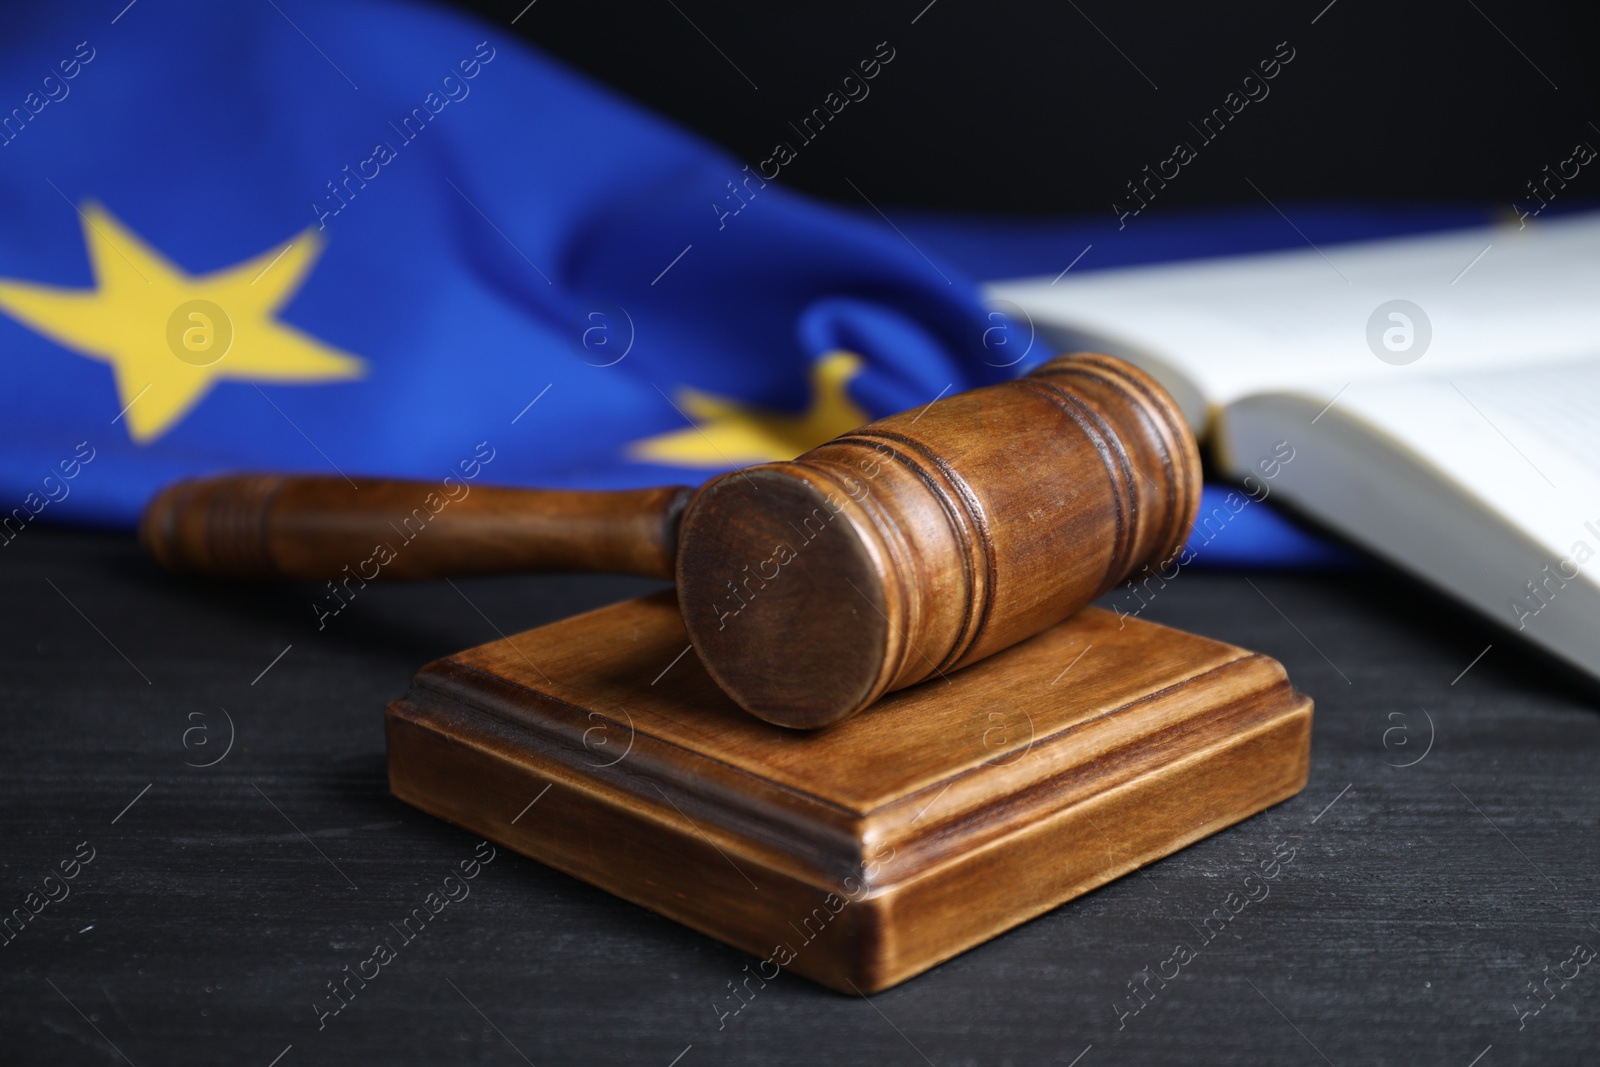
x,y
864,853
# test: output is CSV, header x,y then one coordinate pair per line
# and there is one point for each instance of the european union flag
x,y
366,238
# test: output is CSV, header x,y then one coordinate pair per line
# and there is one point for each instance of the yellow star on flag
x,y
729,432
168,335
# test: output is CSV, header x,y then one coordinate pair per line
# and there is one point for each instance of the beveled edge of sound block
x,y
772,842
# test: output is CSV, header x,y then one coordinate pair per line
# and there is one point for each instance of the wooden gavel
x,y
902,550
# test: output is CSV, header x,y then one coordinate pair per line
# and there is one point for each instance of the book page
x,y
1524,443
1487,483
1313,321
1548,408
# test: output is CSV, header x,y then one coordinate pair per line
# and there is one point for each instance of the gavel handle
x,y
316,528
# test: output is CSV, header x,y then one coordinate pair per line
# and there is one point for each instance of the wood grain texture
x,y
878,847
320,528
926,541
1402,934
905,549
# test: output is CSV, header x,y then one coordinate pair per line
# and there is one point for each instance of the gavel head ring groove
x,y
928,540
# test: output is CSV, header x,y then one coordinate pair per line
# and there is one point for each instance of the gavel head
x,y
920,543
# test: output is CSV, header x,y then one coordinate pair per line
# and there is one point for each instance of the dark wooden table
x,y
1445,857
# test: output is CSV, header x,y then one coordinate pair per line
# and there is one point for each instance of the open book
x,y
1441,396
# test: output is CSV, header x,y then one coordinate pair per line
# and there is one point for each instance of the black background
x,y
1035,108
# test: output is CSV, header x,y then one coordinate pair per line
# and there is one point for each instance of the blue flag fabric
x,y
370,238
366,237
